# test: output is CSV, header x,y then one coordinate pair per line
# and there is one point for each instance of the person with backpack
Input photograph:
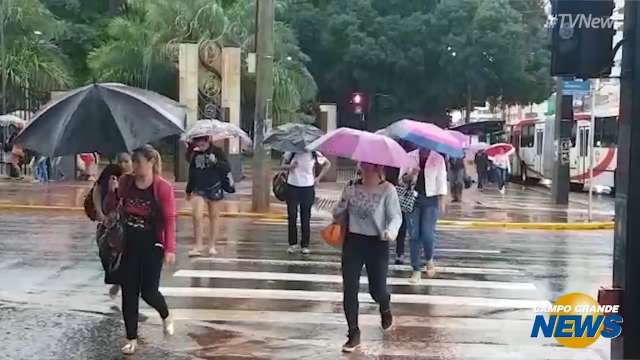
x,y
94,204
208,179
305,170
146,204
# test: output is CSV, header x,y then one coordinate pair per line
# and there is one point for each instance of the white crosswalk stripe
x,y
336,265
258,285
251,275
336,297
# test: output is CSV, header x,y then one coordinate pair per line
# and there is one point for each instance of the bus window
x,y
539,141
606,132
528,134
574,134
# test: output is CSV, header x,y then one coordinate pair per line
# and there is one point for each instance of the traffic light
x,y
358,102
582,37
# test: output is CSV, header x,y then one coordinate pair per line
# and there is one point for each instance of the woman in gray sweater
x,y
372,210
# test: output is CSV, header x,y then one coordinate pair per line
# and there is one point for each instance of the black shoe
x,y
399,260
387,319
353,341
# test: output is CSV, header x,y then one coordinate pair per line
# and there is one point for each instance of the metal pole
x,y
594,92
562,145
626,244
265,10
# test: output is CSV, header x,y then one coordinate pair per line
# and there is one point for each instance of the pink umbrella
x,y
462,138
499,149
364,147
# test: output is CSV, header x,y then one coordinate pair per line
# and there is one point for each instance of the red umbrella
x,y
500,149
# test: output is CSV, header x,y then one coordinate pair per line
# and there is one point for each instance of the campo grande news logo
x,y
576,320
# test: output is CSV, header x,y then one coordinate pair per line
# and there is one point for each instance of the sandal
x,y
130,347
195,253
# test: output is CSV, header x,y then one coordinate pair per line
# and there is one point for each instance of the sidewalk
x,y
520,205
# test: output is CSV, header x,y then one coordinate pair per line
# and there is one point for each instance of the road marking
x,y
328,250
332,264
273,294
337,279
290,317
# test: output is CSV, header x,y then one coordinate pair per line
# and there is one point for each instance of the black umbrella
x,y
103,118
293,137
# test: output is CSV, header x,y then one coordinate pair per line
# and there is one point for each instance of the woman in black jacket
x,y
208,172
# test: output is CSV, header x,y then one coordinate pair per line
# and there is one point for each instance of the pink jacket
x,y
164,196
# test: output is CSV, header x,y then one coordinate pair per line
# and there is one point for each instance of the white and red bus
x,y
529,136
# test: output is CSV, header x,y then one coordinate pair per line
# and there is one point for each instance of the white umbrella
x,y
217,130
7,120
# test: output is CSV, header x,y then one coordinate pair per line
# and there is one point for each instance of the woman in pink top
x,y
148,209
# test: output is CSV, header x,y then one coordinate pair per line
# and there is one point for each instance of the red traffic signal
x,y
358,101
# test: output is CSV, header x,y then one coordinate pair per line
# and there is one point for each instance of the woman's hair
x,y
123,156
109,171
151,154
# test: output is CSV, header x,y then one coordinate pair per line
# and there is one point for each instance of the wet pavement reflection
x,y
256,301
519,204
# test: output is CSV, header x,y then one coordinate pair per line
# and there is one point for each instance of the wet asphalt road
x,y
255,301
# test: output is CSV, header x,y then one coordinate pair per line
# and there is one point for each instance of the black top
x,y
481,160
420,186
207,169
138,207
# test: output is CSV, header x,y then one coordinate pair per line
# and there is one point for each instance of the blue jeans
x,y
502,177
42,170
422,227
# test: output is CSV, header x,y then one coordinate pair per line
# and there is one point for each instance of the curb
x,y
274,216
530,226
252,215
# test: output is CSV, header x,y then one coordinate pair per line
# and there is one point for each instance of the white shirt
x,y
435,175
302,175
502,161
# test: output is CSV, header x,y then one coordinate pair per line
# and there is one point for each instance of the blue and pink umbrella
x,y
427,136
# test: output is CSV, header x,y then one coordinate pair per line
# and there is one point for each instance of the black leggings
x,y
372,252
143,264
302,197
402,235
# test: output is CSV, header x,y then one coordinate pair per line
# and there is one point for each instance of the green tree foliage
x,y
85,24
28,52
424,57
141,48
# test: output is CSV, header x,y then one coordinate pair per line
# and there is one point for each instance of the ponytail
x,y
157,163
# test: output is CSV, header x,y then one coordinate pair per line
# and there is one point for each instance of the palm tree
x,y
28,54
143,41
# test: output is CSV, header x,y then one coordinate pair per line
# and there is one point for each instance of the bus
x,y
531,137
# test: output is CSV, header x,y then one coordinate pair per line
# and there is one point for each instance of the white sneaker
x,y
415,277
130,347
169,328
502,191
293,249
306,251
431,269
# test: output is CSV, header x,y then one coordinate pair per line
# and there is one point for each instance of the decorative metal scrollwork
x,y
210,90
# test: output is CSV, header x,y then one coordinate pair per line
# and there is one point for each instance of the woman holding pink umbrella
x,y
371,209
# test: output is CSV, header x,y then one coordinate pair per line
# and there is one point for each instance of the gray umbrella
x,y
103,118
292,137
